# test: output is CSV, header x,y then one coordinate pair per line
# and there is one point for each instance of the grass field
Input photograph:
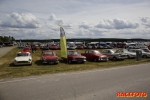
x,y
8,70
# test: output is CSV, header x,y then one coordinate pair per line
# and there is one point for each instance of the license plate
x,y
51,62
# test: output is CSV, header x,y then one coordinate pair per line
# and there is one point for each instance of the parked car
x,y
28,46
54,47
100,47
144,54
79,46
23,58
49,57
71,47
45,48
146,50
125,51
42,45
21,45
113,55
1,46
36,46
94,55
8,44
108,47
26,49
87,47
74,56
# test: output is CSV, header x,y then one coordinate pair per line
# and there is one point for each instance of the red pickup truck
x,y
94,55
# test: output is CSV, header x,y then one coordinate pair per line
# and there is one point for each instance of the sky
x,y
40,19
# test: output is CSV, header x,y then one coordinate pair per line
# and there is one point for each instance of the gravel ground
x,y
4,50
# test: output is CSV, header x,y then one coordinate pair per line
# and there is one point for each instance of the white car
x,y
23,58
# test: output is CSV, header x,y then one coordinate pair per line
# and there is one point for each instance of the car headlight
x,y
15,60
56,58
29,59
44,58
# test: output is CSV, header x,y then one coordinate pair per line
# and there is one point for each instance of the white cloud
x,y
23,20
117,24
58,21
85,25
79,18
146,21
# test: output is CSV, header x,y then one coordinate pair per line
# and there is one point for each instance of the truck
x,y
94,55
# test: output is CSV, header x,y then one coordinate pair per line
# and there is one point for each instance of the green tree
x,y
13,39
6,39
1,39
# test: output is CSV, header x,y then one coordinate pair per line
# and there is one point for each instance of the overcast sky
x,y
39,19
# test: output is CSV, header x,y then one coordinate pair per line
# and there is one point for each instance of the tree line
x,y
6,39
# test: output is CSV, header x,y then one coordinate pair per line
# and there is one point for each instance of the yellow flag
x,y
63,45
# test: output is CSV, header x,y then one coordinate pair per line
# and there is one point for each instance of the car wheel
x,y
95,60
69,62
14,64
144,56
114,58
128,56
83,62
55,63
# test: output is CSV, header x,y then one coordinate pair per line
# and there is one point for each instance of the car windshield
x,y
54,45
26,48
146,50
48,53
73,53
119,51
112,51
97,52
22,54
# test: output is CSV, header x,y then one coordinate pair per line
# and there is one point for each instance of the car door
x,y
91,55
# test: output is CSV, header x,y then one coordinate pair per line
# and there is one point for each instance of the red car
x,y
49,57
80,47
94,55
37,47
54,47
74,56
26,49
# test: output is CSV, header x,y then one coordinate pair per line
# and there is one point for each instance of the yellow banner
x,y
63,45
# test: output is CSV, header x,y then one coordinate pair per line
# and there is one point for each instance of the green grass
x,y
7,70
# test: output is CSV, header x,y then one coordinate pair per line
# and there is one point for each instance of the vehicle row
x,y
49,56
83,45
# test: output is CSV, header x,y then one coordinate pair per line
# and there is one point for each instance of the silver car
x,y
128,53
113,55
145,52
